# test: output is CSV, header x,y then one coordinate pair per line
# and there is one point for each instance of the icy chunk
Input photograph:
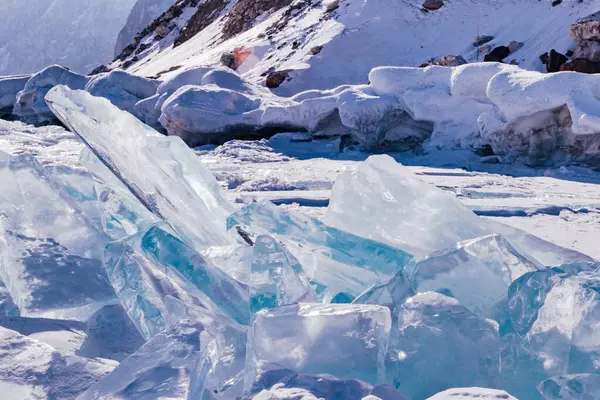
x,y
384,201
345,340
571,387
162,172
276,279
110,334
7,306
471,393
31,369
339,261
558,311
174,364
30,105
143,287
439,345
476,272
9,87
49,256
121,88
171,253
158,297
391,294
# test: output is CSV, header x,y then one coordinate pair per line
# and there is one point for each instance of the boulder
x,y
450,61
497,55
479,40
588,50
228,60
587,28
433,4
514,46
582,65
276,78
555,60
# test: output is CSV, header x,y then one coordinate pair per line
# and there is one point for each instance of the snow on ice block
x,y
384,201
30,369
557,312
571,387
121,88
173,365
162,172
519,93
276,277
30,105
472,393
344,340
49,256
476,272
439,344
196,111
9,87
337,260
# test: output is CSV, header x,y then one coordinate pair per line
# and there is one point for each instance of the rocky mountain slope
x,y
322,44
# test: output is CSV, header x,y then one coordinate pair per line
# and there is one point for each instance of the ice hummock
x,y
344,340
476,272
49,256
384,201
338,261
439,344
276,277
161,172
556,312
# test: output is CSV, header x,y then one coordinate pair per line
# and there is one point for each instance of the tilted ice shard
x,y
162,172
31,369
337,260
173,364
7,306
557,311
471,393
439,345
384,201
391,294
344,340
476,272
158,296
171,253
49,256
571,387
276,277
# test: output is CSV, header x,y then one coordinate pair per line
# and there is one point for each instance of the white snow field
x,y
79,34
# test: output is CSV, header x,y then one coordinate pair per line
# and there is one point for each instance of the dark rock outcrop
x,y
498,54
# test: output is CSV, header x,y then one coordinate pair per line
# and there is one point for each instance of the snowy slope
x,y
358,36
142,14
79,34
